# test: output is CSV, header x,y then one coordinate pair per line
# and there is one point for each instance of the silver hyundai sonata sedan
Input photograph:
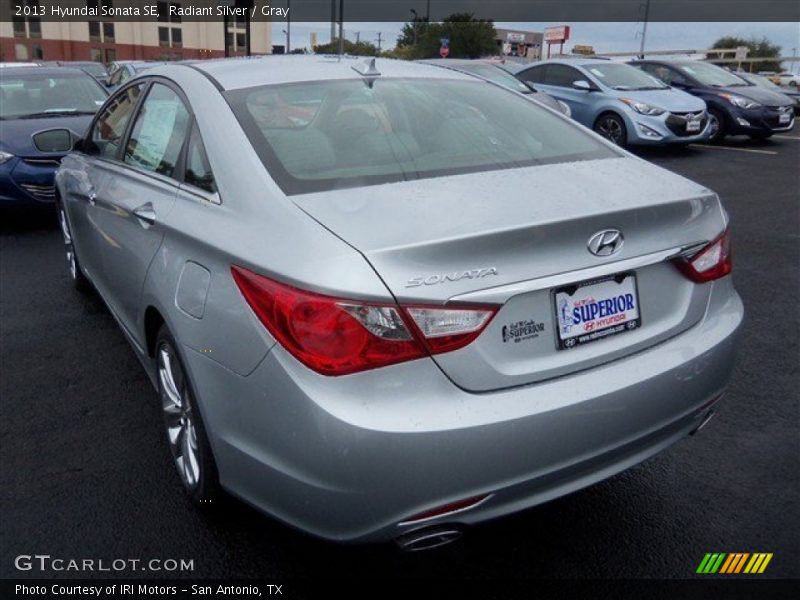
x,y
387,300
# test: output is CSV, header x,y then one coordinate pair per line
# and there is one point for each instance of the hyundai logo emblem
x,y
606,242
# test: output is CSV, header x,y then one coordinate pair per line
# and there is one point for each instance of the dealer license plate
x,y
784,118
593,310
693,126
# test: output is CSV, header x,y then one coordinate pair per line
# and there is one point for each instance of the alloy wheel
x,y
610,128
179,417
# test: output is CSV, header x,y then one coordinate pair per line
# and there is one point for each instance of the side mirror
x,y
582,84
55,140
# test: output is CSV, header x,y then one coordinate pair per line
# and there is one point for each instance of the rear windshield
x,y
320,136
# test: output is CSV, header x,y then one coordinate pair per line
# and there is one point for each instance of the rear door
x,y
140,192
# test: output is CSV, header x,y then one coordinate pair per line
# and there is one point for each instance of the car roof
x,y
235,73
46,71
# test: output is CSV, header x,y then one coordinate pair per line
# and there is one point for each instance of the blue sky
x,y
605,37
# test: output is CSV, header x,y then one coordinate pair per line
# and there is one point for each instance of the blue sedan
x,y
32,100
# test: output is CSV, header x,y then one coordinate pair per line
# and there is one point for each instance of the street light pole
x,y
288,27
414,15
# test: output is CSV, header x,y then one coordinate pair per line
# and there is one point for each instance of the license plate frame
x,y
784,118
567,339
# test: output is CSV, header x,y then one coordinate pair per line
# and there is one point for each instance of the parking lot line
x,y
787,137
732,148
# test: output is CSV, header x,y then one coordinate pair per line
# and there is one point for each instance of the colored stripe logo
x,y
734,563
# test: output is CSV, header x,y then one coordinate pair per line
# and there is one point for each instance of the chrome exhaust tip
x,y
708,416
428,538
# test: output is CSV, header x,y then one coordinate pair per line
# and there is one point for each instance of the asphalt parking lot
x,y
85,471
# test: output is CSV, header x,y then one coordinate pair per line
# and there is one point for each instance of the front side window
x,y
109,128
328,135
159,132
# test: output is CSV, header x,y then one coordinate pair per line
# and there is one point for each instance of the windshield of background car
x,y
329,135
624,77
497,75
96,70
42,95
712,75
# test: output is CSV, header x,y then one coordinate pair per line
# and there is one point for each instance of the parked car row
x,y
660,101
112,76
391,300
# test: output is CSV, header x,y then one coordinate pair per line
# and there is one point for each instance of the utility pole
x,y
644,30
341,27
428,11
358,37
379,42
415,17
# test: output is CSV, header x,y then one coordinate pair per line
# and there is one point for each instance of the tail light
x,y
710,263
336,336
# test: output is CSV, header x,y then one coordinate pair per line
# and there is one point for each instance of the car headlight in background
x,y
740,101
564,108
5,157
642,108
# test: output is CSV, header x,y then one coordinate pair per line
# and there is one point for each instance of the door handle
x,y
145,214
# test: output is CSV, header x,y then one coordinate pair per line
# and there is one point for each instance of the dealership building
x,y
168,38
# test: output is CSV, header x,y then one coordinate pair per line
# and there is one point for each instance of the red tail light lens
x,y
335,336
710,263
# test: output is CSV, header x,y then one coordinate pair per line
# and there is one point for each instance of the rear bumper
x,y
351,458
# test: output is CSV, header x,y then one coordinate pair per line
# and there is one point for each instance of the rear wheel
x,y
79,280
612,127
716,126
186,433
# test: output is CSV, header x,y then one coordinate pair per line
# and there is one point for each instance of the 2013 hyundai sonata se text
x,y
388,300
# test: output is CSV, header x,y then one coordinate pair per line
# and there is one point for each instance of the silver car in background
x,y
492,70
389,300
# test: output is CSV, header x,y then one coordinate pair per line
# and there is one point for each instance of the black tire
x,y
79,280
720,130
612,127
200,484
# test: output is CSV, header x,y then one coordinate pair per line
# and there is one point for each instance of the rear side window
x,y
106,135
336,134
562,75
159,132
534,75
198,171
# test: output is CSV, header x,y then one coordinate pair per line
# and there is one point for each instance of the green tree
x,y
469,37
758,48
352,48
